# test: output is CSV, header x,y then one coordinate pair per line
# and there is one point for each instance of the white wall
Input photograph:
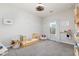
x,y
59,18
24,23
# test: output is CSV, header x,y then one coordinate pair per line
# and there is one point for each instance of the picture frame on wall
x,y
7,21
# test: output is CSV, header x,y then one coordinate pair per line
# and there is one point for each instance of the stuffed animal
x,y
15,44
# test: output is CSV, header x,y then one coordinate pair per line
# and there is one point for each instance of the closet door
x,y
53,30
64,26
66,32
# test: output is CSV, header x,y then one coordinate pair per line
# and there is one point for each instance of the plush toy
x,y
15,44
43,37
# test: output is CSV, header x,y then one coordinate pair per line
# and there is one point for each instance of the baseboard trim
x,y
63,42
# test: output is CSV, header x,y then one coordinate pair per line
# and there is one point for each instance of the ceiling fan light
x,y
40,8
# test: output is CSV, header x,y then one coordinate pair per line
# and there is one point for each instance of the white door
x,y
53,30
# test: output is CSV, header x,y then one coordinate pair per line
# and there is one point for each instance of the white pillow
x,y
3,49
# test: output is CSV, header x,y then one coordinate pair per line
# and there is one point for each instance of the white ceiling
x,y
49,7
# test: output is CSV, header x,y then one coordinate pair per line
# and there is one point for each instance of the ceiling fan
x,y
40,7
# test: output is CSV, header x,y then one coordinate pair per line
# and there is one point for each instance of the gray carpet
x,y
44,48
